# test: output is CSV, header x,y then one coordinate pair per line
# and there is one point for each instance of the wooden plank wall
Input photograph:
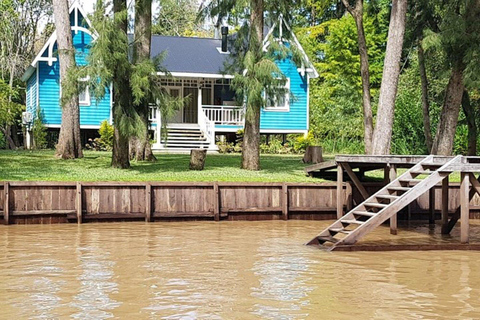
x,y
60,202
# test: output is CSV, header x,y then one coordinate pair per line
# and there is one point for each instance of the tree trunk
x,y
472,125
443,142
69,143
197,159
141,52
427,129
391,71
313,154
357,14
122,96
251,138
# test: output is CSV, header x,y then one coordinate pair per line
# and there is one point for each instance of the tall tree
x,y
251,138
69,144
142,149
356,11
458,38
257,79
391,71
19,22
122,93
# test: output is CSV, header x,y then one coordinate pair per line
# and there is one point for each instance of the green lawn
x,y
95,166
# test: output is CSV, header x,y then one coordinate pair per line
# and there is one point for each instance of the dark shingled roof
x,y
193,55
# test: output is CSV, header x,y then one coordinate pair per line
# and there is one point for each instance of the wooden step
x,y
375,205
387,196
419,172
327,239
364,213
352,222
339,230
410,180
399,188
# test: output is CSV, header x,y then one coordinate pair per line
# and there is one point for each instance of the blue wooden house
x,y
196,67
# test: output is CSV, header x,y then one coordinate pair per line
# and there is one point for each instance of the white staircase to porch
x,y
184,138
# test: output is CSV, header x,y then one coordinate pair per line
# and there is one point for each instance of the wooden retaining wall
x,y
61,202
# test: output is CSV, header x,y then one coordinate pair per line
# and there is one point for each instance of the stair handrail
x,y
207,126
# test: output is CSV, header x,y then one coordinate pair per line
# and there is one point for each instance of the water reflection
x,y
96,278
227,270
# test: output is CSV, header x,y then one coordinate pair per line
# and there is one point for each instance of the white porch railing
x,y
225,115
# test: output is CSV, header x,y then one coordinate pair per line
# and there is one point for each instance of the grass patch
x,y
95,166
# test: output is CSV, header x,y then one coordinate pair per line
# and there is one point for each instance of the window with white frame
x,y
280,102
84,95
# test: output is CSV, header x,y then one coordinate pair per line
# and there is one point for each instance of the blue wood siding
x,y
296,117
49,92
31,101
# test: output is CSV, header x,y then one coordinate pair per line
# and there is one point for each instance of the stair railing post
x,y
391,173
464,207
340,197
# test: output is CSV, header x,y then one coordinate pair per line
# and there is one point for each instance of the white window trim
x,y
285,108
87,102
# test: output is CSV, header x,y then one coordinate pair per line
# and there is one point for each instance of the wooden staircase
x,y
386,202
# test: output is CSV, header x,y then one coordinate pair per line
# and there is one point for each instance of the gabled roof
x,y
184,56
190,55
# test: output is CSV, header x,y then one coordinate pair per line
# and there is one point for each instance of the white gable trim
x,y
76,8
310,69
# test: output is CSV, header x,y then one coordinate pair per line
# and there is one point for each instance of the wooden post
x,y
148,202
216,202
285,201
464,208
79,203
431,205
392,175
6,203
349,197
340,197
445,185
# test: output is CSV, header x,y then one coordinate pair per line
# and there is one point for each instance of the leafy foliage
x,y
178,18
335,98
39,131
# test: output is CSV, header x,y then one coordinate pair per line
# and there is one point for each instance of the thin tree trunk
x,y
357,14
427,129
251,137
122,96
443,142
69,144
142,47
472,125
382,136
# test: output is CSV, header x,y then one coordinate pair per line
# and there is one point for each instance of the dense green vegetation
x,y
95,166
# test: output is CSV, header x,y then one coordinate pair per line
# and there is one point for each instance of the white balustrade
x,y
225,115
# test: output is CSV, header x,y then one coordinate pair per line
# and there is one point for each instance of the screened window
x,y
282,102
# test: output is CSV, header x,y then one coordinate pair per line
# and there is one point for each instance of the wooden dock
x,y
423,174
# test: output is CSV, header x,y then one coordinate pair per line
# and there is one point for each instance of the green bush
x,y
3,141
106,133
225,147
39,131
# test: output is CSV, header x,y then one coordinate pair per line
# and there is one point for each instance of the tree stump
x,y
197,159
313,154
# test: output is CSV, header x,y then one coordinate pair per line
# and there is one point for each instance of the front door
x,y
178,116
190,111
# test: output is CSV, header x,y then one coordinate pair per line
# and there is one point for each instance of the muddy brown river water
x,y
226,270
